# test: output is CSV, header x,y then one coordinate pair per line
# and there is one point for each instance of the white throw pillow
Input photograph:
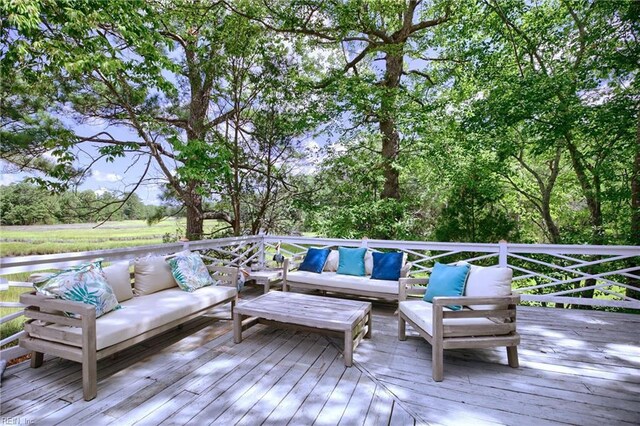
x,y
368,263
119,279
152,274
487,282
331,265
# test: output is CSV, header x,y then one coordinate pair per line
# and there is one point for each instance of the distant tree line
x,y
27,204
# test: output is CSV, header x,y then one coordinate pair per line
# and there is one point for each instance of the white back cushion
x,y
487,282
368,262
152,274
119,279
331,265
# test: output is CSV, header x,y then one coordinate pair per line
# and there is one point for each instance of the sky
x,y
120,175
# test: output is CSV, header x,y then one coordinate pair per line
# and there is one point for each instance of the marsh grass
x,y
49,239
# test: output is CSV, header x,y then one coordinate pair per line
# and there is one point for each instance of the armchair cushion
x,y
487,282
446,280
314,260
422,314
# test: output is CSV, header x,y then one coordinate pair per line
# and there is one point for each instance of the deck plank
x,y
576,367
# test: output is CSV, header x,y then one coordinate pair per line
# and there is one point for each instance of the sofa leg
x,y
437,360
89,379
512,356
402,326
37,358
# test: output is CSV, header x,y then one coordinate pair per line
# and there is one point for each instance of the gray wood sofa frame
x,y
288,283
501,333
42,311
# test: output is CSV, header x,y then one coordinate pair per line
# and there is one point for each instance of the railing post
x,y
502,254
261,255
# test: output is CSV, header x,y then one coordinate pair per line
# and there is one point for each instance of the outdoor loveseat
x,y
70,330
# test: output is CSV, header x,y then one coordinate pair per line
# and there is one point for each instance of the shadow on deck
x,y
577,367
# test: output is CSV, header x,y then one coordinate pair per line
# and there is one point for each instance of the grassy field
x,y
47,239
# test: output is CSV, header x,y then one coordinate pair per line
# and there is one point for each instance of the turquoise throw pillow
x,y
351,261
190,272
85,283
314,260
386,266
446,280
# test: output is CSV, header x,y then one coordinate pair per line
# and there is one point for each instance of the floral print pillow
x,y
189,271
85,283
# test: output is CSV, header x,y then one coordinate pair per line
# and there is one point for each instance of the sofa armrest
x,y
226,274
43,311
404,271
411,287
53,305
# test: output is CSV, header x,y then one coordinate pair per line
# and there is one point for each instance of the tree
x,y
148,67
366,32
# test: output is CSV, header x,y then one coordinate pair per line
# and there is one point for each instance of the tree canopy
x,y
473,120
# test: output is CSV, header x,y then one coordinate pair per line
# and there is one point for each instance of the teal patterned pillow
x,y
190,272
85,283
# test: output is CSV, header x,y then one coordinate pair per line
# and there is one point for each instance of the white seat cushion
x,y
421,313
144,313
344,282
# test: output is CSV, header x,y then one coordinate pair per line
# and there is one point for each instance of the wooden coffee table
x,y
312,313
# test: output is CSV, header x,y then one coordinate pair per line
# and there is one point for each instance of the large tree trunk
x,y
195,219
388,130
591,192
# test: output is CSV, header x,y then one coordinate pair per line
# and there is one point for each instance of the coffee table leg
x,y
237,328
369,324
348,348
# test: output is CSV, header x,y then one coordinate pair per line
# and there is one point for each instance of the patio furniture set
x,y
72,317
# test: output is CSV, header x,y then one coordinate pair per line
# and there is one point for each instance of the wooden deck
x,y
577,367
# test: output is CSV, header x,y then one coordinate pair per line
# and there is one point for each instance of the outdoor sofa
x,y
329,280
70,330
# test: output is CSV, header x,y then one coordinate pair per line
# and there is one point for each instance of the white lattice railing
x,y
542,273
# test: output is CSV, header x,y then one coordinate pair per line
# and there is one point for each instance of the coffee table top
x,y
304,309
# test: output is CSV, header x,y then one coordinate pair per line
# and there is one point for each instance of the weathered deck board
x,y
576,367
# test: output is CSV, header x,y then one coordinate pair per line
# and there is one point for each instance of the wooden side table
x,y
266,278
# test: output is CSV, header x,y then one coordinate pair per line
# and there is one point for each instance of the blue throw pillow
x,y
386,266
446,280
351,261
314,260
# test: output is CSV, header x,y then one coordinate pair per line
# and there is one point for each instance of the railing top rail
x,y
574,249
483,247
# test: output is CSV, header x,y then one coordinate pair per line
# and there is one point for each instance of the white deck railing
x,y
542,273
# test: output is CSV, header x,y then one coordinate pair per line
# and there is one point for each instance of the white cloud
x,y
100,192
6,180
105,177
